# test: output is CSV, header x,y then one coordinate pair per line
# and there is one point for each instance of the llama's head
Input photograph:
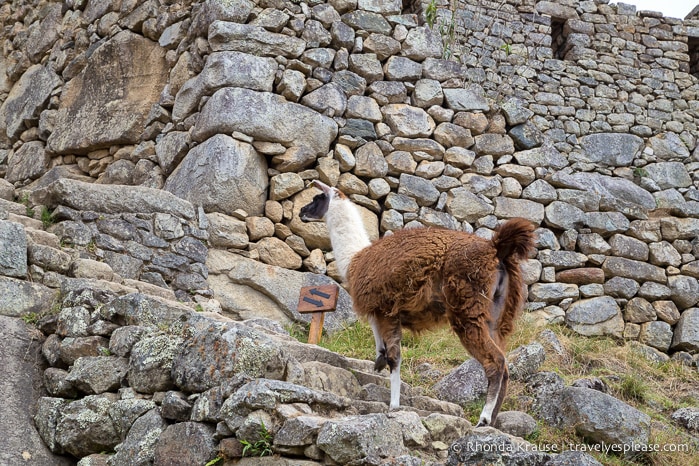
x,y
316,210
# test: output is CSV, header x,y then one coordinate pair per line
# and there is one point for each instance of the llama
x,y
424,277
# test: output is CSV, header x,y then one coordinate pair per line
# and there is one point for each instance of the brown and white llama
x,y
423,277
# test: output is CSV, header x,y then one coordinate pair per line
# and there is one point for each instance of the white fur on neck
x,y
347,233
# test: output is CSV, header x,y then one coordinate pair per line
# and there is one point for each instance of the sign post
x,y
317,300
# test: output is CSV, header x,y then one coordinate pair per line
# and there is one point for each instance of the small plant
x,y
30,318
431,13
507,48
25,200
633,388
261,447
105,351
199,308
640,172
214,461
46,217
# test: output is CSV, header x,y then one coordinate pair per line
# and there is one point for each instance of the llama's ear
x,y
322,186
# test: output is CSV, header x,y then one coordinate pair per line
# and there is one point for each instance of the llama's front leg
x,y
380,362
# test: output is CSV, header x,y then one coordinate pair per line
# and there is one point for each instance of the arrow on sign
x,y
315,302
316,292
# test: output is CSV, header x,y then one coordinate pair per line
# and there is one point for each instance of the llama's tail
x,y
514,239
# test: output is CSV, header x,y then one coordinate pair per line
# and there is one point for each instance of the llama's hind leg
x,y
381,361
478,342
388,333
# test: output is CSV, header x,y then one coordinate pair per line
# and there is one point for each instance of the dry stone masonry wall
x,y
167,149
580,116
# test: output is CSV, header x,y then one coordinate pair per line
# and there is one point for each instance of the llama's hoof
x,y
482,422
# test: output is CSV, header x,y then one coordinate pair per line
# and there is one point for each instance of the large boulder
x,y
28,97
686,336
13,249
139,446
21,297
612,149
265,117
225,69
20,346
216,352
465,384
596,316
119,199
97,112
361,438
250,289
222,175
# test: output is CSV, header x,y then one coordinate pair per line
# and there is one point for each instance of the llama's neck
x,y
347,233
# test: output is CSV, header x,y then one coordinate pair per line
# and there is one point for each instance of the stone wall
x,y
595,142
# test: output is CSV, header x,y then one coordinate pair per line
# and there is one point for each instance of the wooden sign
x,y
317,300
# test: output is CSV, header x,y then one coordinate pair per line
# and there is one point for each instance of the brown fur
x,y
421,278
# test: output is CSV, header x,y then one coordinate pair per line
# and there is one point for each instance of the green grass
x,y
656,389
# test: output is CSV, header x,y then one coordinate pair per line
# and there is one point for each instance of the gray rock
x,y
493,144
606,223
108,199
553,292
420,189
602,418
370,162
668,146
573,458
84,426
620,287
21,297
546,156
125,412
228,349
490,446
564,216
408,121
657,334
226,232
361,438
254,40
13,249
299,431
29,162
472,99
98,374
266,394
687,418
274,120
525,361
684,289
686,336
57,385
139,446
141,309
615,193
466,206
138,72
595,316
515,423
187,442
628,247
668,174
506,207
27,98
638,311
21,385
427,92
422,42
367,21
151,363
328,99
274,291
464,384
526,136
223,175
636,270
612,149
225,69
